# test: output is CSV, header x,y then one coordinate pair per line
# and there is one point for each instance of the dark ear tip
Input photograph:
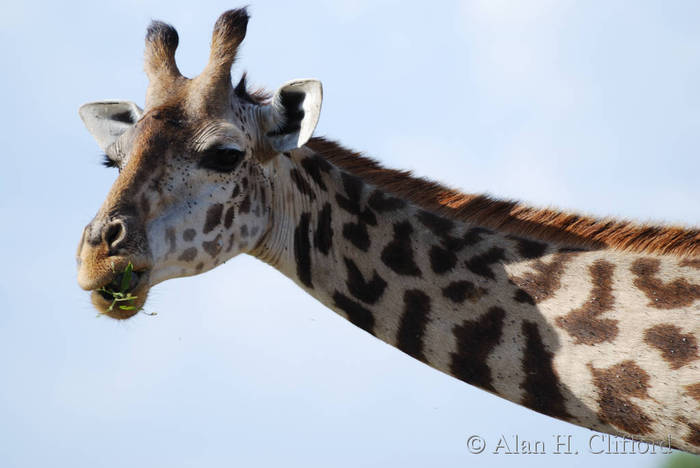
x,y
233,20
241,89
159,31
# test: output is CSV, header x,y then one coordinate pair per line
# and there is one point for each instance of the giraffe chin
x,y
107,306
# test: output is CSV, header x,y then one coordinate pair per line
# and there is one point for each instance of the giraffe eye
x,y
221,159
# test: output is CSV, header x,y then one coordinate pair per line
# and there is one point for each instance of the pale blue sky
x,y
592,106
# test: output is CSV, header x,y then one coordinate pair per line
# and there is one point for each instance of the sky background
x,y
589,106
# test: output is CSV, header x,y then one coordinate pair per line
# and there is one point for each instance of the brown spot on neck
x,y
355,312
615,385
583,323
690,262
398,254
416,315
368,291
676,348
459,291
301,184
672,295
541,384
481,264
693,436
693,391
528,248
302,250
475,341
547,280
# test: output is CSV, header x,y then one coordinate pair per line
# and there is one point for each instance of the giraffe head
x,y
195,177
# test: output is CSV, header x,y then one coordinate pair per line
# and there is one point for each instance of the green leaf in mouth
x,y
122,295
126,277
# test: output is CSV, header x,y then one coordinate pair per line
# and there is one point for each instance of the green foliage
x,y
120,297
682,460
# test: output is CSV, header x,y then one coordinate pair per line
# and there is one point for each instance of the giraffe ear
x,y
107,120
295,110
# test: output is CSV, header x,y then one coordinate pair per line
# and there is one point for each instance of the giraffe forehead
x,y
180,123
144,151
171,132
157,130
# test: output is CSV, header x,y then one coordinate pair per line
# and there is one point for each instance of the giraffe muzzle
x,y
114,264
122,299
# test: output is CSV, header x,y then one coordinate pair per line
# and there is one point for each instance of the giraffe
x,y
592,321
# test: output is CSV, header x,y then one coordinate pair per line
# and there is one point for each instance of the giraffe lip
x,y
131,299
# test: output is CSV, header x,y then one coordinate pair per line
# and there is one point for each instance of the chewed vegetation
x,y
120,296
118,291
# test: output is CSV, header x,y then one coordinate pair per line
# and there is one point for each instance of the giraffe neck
x,y
601,338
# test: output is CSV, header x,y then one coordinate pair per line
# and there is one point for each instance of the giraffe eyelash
x,y
109,162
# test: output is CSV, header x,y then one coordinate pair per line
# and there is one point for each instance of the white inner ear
x,y
311,105
107,120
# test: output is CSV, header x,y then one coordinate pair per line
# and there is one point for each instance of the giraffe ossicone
x,y
596,322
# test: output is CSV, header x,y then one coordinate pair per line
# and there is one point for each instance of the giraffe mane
x,y
512,216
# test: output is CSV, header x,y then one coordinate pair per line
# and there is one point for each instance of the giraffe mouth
x,y
124,295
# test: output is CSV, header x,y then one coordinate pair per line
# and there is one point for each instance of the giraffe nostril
x,y
114,233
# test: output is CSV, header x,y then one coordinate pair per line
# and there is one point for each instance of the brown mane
x,y
510,216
